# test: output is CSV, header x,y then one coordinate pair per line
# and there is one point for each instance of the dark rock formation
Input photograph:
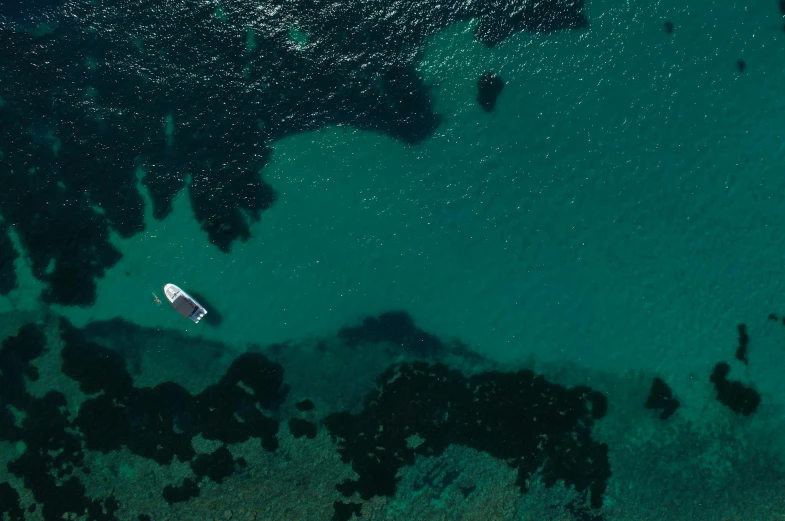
x,y
489,86
549,431
177,494
744,342
218,465
304,405
157,423
8,255
300,428
344,511
733,394
9,503
661,397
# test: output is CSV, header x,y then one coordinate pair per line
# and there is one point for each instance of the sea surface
x,y
567,304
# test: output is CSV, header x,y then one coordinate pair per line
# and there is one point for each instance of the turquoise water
x,y
613,220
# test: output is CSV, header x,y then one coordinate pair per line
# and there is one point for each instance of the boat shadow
x,y
213,316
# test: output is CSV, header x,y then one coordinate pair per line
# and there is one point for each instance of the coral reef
x,y
419,408
157,423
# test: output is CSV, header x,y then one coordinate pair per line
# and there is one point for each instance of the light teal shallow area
x,y
621,211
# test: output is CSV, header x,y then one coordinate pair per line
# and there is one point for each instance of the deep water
x,y
482,259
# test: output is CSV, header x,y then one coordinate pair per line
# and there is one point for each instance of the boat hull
x,y
184,304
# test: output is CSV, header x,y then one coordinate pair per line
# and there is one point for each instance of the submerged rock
x,y
661,397
489,87
738,397
548,432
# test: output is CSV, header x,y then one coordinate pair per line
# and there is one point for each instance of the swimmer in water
x,y
157,300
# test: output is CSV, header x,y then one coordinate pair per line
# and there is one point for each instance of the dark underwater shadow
x,y
134,343
213,317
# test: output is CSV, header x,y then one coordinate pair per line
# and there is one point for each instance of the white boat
x,y
184,303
